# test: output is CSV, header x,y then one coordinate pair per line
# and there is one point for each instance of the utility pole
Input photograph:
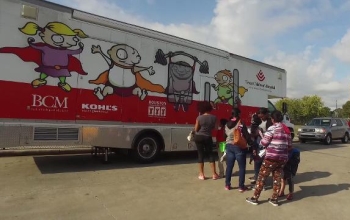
x,y
336,108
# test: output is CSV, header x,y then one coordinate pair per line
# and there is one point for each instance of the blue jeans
x,y
234,153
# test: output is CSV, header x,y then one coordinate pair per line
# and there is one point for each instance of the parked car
x,y
324,129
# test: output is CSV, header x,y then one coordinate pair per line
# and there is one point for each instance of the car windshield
x,y
319,122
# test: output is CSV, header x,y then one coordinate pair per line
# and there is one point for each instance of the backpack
x,y
238,138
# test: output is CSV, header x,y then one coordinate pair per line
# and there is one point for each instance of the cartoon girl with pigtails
x,y
52,56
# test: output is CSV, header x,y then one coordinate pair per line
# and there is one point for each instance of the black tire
x,y
328,139
146,148
345,139
302,141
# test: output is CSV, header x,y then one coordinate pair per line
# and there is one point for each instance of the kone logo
x,y
260,75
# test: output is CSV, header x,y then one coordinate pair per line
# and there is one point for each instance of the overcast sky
x,y
308,38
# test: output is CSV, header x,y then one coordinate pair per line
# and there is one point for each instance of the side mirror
x,y
284,108
333,125
305,124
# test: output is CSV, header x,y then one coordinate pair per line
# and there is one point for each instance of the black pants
x,y
204,146
288,177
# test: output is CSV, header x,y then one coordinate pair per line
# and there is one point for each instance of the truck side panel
x,y
68,72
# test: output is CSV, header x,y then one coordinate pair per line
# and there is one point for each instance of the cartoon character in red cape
x,y
52,56
123,76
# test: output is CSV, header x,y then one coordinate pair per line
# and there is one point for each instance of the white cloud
x,y
342,48
307,76
314,34
241,27
238,25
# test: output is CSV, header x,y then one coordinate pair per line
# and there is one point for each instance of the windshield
x,y
320,122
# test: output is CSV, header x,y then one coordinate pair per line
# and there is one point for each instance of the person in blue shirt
x,y
290,170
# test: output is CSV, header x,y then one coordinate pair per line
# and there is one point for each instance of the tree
x,y
304,109
312,106
326,112
346,110
338,112
293,108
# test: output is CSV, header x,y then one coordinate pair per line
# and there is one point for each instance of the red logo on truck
x,y
260,75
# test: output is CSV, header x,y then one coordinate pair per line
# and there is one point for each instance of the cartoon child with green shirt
x,y
224,88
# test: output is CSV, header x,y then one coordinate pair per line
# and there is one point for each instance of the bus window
x,y
270,106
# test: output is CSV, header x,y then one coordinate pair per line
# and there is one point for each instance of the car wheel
x,y
328,139
345,138
302,141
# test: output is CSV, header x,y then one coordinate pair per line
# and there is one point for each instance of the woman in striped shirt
x,y
277,140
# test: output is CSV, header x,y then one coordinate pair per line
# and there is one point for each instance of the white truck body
x,y
73,78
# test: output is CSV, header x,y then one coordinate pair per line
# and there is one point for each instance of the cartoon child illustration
x,y
52,56
181,86
224,88
123,77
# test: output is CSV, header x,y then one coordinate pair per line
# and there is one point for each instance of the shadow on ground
x,y
317,190
86,162
309,176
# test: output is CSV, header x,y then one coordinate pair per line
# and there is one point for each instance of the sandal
x,y
215,177
281,195
290,196
201,177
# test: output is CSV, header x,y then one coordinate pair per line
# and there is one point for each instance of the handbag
x,y
238,138
190,137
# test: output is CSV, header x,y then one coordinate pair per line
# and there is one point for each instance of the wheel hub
x,y
146,147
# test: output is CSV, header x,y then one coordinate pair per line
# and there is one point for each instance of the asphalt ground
x,y
78,186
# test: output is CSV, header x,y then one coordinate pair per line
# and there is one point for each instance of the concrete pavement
x,y
80,187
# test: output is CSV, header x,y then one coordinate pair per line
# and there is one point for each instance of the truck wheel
x,y
302,141
345,139
328,139
146,149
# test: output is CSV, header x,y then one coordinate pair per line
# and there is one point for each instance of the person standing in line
x,y
256,134
221,140
277,141
205,124
289,172
266,121
234,152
